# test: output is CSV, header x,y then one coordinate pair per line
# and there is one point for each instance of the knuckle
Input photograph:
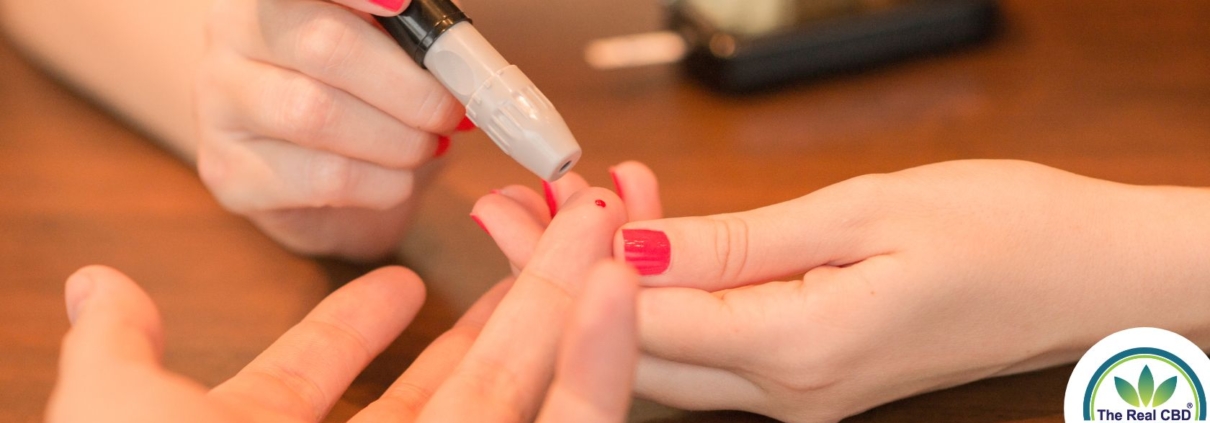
x,y
330,178
731,244
862,198
308,110
440,111
214,170
411,152
397,189
326,41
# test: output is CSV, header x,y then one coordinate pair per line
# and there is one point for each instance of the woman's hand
x,y
914,281
315,124
568,316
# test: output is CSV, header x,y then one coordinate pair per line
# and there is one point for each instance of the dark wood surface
x,y
1112,89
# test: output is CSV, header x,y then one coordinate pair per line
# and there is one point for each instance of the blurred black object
x,y
735,46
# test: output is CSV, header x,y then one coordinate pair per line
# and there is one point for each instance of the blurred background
x,y
1113,89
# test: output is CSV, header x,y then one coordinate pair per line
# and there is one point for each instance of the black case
x,y
735,63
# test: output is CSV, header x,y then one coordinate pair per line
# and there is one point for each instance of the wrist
x,y
1152,265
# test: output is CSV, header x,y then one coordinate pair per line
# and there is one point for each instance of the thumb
x,y
736,249
113,322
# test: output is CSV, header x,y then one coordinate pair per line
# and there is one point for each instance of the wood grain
x,y
1113,89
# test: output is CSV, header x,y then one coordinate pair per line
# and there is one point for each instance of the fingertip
x,y
569,185
530,200
645,246
634,168
595,200
403,281
83,285
386,7
639,187
78,288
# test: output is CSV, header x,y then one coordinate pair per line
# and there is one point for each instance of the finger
x,y
507,370
404,399
307,369
259,175
696,327
560,191
110,364
598,354
332,45
638,187
511,225
377,7
690,387
114,324
530,199
736,249
276,103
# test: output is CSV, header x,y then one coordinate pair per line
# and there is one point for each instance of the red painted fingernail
x,y
466,125
648,251
495,191
617,185
392,5
443,146
600,203
481,225
550,198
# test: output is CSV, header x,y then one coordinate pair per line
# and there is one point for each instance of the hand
x,y
315,124
516,216
914,281
500,357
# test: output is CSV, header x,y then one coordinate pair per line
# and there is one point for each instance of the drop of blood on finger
x,y
600,203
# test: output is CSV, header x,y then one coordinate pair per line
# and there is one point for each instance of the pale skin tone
x,y
914,281
574,360
1034,263
300,114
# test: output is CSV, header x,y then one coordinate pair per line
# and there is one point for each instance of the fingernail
x,y
617,186
550,198
648,251
481,225
466,125
600,203
393,5
443,146
81,288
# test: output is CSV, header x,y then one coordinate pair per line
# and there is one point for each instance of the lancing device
x,y
498,97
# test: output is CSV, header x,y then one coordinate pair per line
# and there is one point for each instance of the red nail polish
x,y
617,186
495,191
550,198
648,251
466,125
481,225
443,146
392,5
600,203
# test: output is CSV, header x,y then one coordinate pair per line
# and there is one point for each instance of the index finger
x,y
507,370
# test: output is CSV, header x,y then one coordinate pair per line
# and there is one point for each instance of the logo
x,y
1141,374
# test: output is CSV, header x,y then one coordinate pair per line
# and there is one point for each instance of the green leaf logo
x,y
1126,391
1147,395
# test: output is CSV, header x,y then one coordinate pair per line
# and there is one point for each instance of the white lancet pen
x,y
498,97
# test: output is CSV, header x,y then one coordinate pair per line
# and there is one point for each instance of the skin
x,y
574,363
270,98
912,282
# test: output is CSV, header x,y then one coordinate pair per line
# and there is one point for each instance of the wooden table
x,y
1112,89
